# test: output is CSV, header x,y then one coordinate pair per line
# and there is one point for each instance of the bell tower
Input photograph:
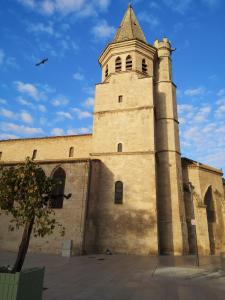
x,y
135,135
124,141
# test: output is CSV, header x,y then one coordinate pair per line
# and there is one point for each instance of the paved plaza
x,y
115,277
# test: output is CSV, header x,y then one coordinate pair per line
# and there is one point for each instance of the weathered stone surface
x,y
136,107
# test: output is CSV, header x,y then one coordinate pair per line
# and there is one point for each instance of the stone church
x,y
131,191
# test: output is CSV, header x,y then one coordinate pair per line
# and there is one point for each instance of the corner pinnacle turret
x,y
129,28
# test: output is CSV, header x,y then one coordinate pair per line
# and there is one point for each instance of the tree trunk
x,y
23,246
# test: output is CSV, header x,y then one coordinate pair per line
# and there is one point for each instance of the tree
x,y
26,194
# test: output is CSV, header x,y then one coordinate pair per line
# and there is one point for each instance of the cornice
x,y
49,161
123,72
123,44
124,110
124,52
205,168
47,137
167,150
173,119
122,153
165,81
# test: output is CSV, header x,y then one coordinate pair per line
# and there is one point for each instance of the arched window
x,y
118,65
34,155
119,147
106,71
118,192
71,152
129,63
58,193
211,218
144,66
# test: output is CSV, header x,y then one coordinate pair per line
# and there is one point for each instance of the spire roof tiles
x,y
129,28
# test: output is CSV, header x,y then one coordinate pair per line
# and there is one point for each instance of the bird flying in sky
x,y
41,62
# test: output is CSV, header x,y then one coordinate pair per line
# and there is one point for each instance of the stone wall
x,y
72,215
203,178
50,148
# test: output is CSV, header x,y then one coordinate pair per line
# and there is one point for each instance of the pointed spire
x,y
129,28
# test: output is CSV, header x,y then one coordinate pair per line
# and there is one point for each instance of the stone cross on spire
x,y
129,28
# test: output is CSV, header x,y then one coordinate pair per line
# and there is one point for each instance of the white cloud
x,y
57,131
202,114
211,3
6,61
41,28
82,114
64,115
220,112
28,3
181,6
60,101
82,8
67,6
28,89
213,77
220,101
72,132
102,30
20,129
90,90
48,7
2,56
25,102
76,131
102,4
48,89
26,117
41,108
154,4
178,5
78,76
84,130
216,158
183,108
209,128
7,113
221,93
5,136
89,102
2,101
194,92
202,132
153,21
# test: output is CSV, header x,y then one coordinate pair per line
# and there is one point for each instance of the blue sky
x,y
57,98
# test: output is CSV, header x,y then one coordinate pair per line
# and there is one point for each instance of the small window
x,y
106,71
0,155
144,66
129,63
71,152
118,192
34,155
120,99
118,65
119,147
